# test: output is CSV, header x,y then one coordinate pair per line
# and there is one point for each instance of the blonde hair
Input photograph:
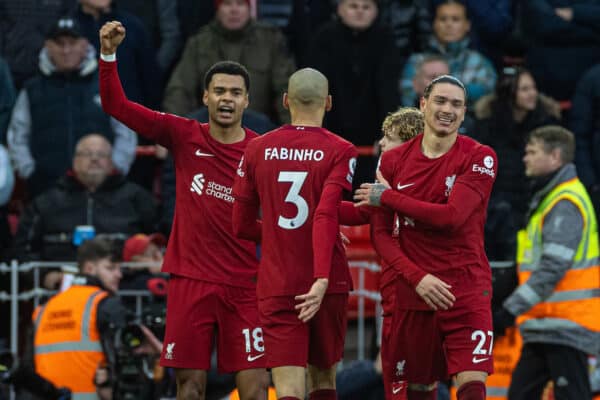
x,y
406,123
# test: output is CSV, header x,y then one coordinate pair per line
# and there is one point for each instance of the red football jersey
x,y
285,171
202,245
442,205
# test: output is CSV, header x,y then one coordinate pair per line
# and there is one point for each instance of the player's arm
x,y
246,224
435,292
350,215
471,189
151,124
324,234
246,207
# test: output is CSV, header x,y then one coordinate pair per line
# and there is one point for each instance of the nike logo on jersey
x,y
400,187
199,153
479,360
396,390
254,358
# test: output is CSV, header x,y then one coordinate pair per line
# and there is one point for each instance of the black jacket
x,y
363,79
118,207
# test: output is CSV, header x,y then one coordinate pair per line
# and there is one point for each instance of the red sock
x,y
323,394
474,390
422,394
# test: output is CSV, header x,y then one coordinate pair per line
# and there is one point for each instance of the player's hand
x,y
111,35
369,194
435,292
311,301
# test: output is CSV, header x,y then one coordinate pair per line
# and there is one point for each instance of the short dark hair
x,y
444,79
555,137
94,250
447,2
229,68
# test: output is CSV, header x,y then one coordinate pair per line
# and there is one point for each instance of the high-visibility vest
x,y
67,347
234,395
507,350
575,302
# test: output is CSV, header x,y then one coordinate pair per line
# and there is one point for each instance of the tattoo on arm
x,y
375,194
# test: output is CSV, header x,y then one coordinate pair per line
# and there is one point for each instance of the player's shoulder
x,y
471,147
250,134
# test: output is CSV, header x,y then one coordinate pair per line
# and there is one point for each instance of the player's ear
x,y
205,97
422,104
286,101
246,100
328,103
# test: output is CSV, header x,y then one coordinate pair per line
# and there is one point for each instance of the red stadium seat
x,y
360,252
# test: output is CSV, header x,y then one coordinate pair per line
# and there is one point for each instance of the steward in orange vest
x,y
71,328
557,302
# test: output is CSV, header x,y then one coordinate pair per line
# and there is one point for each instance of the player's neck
x,y
435,146
306,118
227,135
307,122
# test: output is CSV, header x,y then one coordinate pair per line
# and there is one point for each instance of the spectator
x,y
23,27
503,121
353,52
233,35
557,301
492,22
298,19
141,248
137,65
450,38
585,124
90,194
563,32
428,68
7,98
193,15
58,107
161,22
73,333
410,23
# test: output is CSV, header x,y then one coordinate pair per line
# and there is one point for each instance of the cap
x,y
218,3
65,26
138,243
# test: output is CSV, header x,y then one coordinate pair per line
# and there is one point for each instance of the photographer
x,y
73,333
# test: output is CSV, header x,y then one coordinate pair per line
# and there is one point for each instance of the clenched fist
x,y
111,35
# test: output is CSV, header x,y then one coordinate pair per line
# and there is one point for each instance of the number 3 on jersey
x,y
293,196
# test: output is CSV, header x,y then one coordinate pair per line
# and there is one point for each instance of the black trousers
x,y
566,366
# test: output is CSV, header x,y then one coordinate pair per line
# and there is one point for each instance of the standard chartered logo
x,y
211,188
198,183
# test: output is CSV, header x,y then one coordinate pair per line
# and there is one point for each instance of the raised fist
x,y
111,35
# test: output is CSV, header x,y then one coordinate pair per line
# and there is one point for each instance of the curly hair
x,y
406,123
